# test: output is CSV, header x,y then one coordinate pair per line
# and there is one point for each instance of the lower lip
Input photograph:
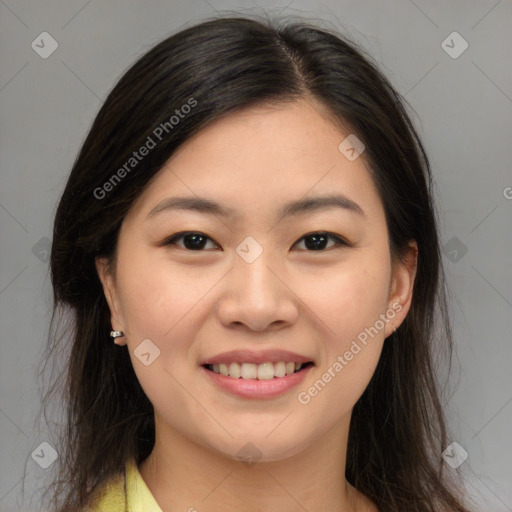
x,y
253,388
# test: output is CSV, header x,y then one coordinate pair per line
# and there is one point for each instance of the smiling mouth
x,y
264,371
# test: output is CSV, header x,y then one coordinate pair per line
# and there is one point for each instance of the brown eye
x,y
196,241
317,241
192,241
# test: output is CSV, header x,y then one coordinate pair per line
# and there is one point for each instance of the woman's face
x,y
250,282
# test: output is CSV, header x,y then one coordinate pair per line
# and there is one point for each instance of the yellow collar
x,y
126,493
138,496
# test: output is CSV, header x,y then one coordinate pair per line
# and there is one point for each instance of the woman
x,y
251,219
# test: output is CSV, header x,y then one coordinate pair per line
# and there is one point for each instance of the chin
x,y
254,449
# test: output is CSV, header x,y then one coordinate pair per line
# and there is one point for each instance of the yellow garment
x,y
134,497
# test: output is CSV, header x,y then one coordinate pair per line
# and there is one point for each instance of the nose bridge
x,y
256,294
255,278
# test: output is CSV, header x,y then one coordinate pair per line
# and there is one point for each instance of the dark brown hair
x,y
397,431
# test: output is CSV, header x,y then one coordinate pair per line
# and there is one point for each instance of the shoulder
x,y
109,497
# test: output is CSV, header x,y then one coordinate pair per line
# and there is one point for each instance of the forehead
x,y
265,155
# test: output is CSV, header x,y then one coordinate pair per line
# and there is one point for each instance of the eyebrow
x,y
300,207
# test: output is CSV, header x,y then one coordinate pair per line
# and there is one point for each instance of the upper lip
x,y
256,357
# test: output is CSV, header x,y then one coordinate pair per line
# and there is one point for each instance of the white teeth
x,y
249,371
280,369
264,371
234,370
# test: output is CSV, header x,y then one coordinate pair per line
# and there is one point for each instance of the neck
x,y
183,475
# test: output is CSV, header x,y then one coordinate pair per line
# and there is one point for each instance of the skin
x,y
196,304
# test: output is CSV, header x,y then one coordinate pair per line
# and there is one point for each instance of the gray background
x,y
463,112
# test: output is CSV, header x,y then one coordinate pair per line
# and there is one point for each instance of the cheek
x,y
347,299
156,295
162,305
349,303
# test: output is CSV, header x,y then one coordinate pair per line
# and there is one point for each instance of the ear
x,y
111,295
402,285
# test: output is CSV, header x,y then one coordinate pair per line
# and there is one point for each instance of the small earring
x,y
116,334
394,328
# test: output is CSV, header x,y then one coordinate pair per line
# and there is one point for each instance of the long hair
x,y
397,431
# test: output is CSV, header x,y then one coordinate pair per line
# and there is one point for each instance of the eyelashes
x,y
193,237
314,242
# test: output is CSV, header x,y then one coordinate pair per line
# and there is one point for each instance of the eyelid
x,y
171,239
340,241
325,233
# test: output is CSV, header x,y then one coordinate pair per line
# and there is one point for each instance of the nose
x,y
257,296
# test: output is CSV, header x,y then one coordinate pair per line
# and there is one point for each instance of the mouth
x,y
263,371
261,374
